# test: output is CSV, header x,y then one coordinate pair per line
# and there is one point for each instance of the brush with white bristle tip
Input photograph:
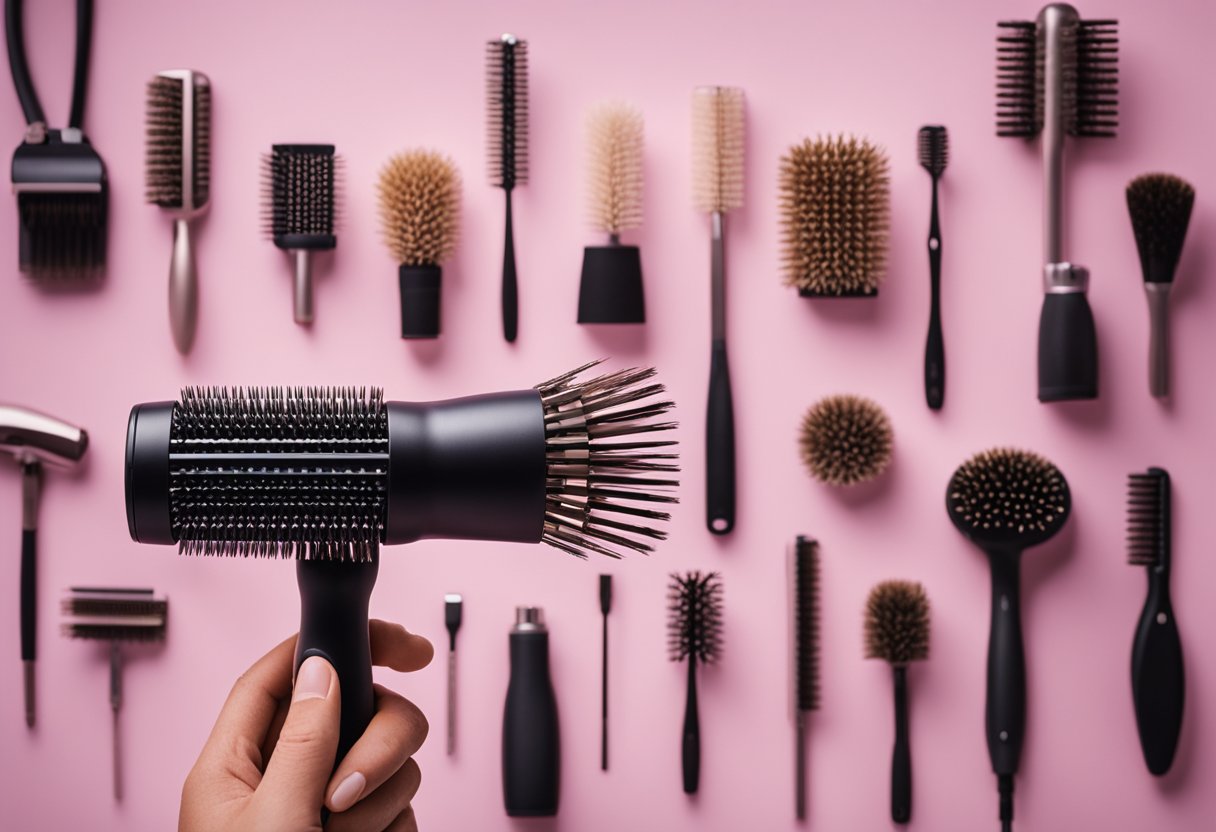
x,y
717,175
610,290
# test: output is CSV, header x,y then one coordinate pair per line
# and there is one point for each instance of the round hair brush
x,y
419,216
610,290
328,475
897,631
1005,501
846,440
933,149
694,634
507,134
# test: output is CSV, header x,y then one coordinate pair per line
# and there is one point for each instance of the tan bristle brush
x,y
717,181
835,207
419,193
610,290
846,440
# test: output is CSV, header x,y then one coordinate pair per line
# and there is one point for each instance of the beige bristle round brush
x,y
419,194
846,440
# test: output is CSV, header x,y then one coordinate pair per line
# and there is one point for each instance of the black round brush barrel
x,y
420,292
531,745
1068,342
610,290
147,473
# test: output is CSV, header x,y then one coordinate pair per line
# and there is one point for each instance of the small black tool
x,y
452,605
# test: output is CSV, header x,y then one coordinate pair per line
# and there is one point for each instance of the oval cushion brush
x,y
1160,206
419,217
1158,679
178,179
1006,501
846,440
897,631
117,616
717,177
933,148
694,634
507,154
804,610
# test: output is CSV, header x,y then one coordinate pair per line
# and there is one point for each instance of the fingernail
x,y
312,679
348,792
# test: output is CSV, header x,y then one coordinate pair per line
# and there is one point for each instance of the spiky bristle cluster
x,y
806,623
1008,497
169,140
300,195
114,614
1160,206
1148,517
614,167
603,474
694,623
846,440
933,148
718,137
835,207
419,194
507,111
897,623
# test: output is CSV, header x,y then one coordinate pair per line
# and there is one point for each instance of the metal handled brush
x,y
694,634
804,615
507,153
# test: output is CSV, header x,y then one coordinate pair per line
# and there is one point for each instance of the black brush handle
x,y
531,745
935,349
901,756
1158,679
80,74
1005,716
690,744
719,445
1068,348
29,594
510,284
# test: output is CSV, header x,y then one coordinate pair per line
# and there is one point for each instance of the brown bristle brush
x,y
610,290
419,193
897,631
694,634
835,207
846,440
804,614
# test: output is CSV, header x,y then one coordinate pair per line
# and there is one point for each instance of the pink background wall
x,y
375,78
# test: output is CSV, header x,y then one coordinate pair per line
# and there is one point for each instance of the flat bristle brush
x,y
507,134
804,614
694,635
933,149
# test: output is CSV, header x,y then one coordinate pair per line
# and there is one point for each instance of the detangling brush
x,y
507,134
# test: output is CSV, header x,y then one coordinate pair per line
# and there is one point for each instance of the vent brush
x,y
507,132
804,607
694,634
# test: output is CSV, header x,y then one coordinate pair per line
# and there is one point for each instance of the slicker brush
x,y
178,179
1160,206
115,616
835,216
694,635
804,609
301,198
897,632
507,150
610,290
846,440
419,194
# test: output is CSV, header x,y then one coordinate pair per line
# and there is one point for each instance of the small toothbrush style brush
x,y
694,634
507,132
804,610
933,148
605,608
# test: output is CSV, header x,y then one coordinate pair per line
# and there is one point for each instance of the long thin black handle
x,y
719,445
604,698
901,756
1006,700
15,38
510,285
29,593
1068,349
935,349
690,745
1158,678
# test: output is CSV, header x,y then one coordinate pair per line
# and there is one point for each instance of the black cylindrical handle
x,y
333,625
1068,349
901,756
690,743
29,594
1006,700
1158,679
510,285
530,737
935,349
719,445
420,292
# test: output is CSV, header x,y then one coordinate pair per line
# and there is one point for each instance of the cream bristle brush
x,y
507,132
717,176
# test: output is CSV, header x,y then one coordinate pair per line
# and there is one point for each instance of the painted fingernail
x,y
313,679
348,792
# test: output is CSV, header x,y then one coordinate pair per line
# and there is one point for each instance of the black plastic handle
x,y
531,744
719,445
29,594
690,743
510,285
901,756
1068,349
1158,679
935,348
1005,716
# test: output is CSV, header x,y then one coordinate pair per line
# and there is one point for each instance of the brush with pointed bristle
x,y
694,634
1160,206
419,193
507,150
804,606
933,150
846,440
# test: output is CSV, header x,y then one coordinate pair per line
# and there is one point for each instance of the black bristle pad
x,y
1019,102
1160,206
933,148
114,614
1097,79
62,235
1147,516
806,624
695,616
1007,496
507,112
300,195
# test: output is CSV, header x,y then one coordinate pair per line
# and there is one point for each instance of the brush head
x,y
718,138
805,580
1008,500
507,111
177,172
112,614
300,196
897,623
933,148
1148,518
846,440
694,622
419,193
1160,206
614,167
835,206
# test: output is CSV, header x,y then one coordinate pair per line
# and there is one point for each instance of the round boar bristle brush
x,y
933,149
1005,501
835,208
300,199
846,440
694,634
507,132
610,290
897,631
419,217
1160,206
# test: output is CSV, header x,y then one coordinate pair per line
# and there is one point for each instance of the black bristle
x,y
108,614
1019,101
806,623
933,148
1160,206
1148,518
1008,497
299,195
1097,79
507,111
694,627
202,143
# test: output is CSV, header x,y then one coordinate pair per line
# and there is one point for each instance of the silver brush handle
x,y
451,702
303,286
1158,344
183,288
1054,19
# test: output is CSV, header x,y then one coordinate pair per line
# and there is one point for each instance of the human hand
x,y
267,765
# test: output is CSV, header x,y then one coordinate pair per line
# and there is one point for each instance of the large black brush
x,y
694,635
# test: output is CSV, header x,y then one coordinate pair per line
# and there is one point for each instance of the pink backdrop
x,y
375,78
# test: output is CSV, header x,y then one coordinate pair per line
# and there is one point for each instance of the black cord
x,y
80,75
17,63
1004,785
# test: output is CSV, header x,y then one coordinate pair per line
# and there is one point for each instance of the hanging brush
x,y
694,634
804,610
507,128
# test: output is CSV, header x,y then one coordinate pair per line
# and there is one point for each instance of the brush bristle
x,y
507,111
846,440
806,624
300,195
835,206
694,626
1019,104
717,148
62,235
614,167
1008,496
1096,104
897,623
114,614
1160,206
1148,517
933,148
167,138
419,194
